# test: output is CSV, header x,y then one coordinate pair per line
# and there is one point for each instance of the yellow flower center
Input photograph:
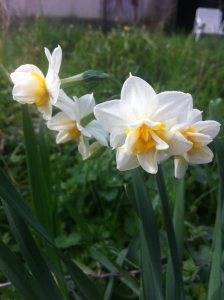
x,y
191,139
42,95
74,132
143,135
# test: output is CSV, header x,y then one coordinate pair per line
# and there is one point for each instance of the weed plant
x,y
95,220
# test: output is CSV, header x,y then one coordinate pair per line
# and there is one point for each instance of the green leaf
x,y
177,266
81,222
219,141
148,279
13,198
178,222
38,186
214,286
32,255
112,266
144,208
110,285
45,158
19,276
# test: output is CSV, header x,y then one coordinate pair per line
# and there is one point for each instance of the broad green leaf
x,y
144,208
19,276
8,193
32,255
177,266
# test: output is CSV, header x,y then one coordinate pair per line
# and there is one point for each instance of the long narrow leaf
x,y
215,283
38,186
13,198
110,285
214,286
177,267
19,276
148,219
112,266
148,279
178,222
32,255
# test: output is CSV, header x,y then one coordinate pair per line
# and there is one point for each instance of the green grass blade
x,y
32,255
177,267
14,199
178,222
19,276
147,216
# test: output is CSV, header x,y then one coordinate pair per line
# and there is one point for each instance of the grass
x,y
90,205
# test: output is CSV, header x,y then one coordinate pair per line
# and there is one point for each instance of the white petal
x,y
114,116
84,146
59,122
180,166
56,58
210,128
138,93
199,137
178,144
86,105
25,90
46,110
84,131
141,121
97,132
124,161
67,105
23,71
63,137
117,140
53,89
202,155
160,144
130,140
194,116
148,161
161,157
169,105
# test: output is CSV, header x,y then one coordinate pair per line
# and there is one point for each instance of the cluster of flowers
x,y
145,128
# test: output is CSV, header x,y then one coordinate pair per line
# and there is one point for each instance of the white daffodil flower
x,y
140,124
32,87
67,122
200,134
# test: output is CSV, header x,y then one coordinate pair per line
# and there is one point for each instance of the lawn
x,y
94,221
